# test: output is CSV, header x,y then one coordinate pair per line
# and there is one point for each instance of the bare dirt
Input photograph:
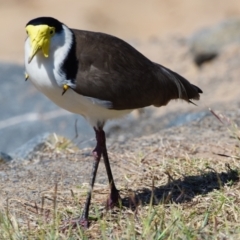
x,y
130,20
159,31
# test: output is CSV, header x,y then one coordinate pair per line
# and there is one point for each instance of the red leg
x,y
114,197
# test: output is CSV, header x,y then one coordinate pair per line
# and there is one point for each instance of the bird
x,y
100,77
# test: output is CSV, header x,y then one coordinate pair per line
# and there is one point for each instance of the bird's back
x,y
110,69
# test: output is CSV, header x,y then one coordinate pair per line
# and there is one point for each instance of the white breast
x,y
45,74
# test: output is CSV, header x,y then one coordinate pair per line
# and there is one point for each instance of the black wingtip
x,y
199,90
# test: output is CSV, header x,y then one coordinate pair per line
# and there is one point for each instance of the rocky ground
x,y
180,131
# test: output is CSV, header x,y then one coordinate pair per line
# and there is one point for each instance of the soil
x,y
162,37
126,19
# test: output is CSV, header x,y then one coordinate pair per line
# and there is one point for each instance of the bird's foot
x,y
74,223
114,199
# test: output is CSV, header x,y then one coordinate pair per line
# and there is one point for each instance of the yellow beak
x,y
39,39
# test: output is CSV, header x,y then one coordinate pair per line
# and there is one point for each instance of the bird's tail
x,y
174,86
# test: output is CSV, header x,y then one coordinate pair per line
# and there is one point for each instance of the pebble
x,y
207,43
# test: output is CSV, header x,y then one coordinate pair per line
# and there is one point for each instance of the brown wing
x,y
112,70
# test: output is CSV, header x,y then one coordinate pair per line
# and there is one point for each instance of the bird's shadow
x,y
182,190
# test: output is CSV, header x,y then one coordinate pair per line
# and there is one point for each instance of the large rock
x,y
207,43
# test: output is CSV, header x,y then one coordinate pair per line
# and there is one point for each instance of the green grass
x,y
180,198
211,214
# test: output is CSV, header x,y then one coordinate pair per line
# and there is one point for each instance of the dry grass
x,y
169,198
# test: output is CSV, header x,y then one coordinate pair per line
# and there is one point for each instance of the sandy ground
x,y
130,20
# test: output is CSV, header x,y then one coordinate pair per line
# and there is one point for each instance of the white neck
x,y
60,46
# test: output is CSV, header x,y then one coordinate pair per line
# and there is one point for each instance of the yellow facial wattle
x,y
40,37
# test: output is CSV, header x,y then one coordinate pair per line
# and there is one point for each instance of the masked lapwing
x,y
100,77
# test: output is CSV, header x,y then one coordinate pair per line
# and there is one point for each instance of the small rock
x,y
207,43
4,158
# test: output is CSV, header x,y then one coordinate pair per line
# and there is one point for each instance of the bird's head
x,y
40,31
